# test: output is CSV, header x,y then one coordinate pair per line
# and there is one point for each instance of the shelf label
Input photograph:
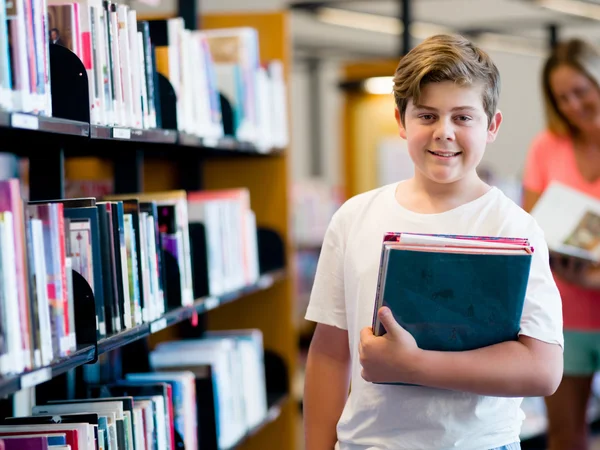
x,y
122,133
25,121
34,378
210,142
211,303
158,325
265,282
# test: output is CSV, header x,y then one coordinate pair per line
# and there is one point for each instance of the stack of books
x,y
453,293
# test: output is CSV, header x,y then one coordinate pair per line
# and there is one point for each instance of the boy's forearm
x,y
326,390
509,369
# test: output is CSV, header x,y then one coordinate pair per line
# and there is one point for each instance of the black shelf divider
x,y
47,174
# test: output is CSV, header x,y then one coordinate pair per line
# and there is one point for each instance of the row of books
x,y
122,57
204,393
122,247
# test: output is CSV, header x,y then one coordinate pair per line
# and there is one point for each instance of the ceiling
x,y
348,27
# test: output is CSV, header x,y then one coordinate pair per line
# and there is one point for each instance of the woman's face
x,y
577,98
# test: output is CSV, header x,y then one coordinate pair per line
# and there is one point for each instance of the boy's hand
x,y
391,358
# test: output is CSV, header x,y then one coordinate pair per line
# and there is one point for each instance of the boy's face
x,y
448,131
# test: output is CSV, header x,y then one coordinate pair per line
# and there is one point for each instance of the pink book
x,y
10,200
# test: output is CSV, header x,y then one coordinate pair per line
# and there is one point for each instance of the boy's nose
x,y
444,131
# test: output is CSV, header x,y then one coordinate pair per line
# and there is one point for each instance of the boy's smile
x,y
447,132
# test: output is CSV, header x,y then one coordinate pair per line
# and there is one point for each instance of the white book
x,y
570,220
280,126
251,354
221,356
9,285
85,434
146,121
112,410
100,54
125,63
134,51
148,299
41,288
175,28
159,304
117,78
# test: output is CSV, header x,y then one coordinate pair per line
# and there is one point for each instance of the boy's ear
x,y
401,129
494,127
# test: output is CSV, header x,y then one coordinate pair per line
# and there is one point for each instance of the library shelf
x,y
225,146
205,304
264,282
275,403
180,314
123,338
32,122
150,136
10,385
87,354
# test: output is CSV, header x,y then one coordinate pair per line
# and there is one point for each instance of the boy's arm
x,y
527,367
326,386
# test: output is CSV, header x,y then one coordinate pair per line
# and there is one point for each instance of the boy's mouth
x,y
444,154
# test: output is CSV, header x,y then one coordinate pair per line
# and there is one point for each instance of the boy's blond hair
x,y
446,58
579,55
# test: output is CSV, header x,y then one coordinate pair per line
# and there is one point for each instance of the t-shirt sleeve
x,y
535,176
327,301
542,311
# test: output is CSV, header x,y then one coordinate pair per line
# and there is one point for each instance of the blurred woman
x,y
568,151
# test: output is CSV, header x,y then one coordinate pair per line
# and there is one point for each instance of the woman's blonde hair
x,y
579,55
446,58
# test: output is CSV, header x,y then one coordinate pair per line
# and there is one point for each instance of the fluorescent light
x,y
379,85
362,21
573,7
422,30
377,23
509,44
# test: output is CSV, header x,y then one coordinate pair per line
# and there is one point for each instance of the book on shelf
x,y
136,255
178,405
453,293
123,57
570,220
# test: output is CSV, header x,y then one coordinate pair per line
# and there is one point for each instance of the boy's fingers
x,y
389,322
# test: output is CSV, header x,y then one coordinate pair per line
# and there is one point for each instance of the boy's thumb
x,y
388,321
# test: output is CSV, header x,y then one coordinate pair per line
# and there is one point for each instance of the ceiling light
x,y
509,44
363,21
379,85
422,30
573,7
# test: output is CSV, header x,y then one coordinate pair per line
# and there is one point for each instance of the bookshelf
x,y
150,160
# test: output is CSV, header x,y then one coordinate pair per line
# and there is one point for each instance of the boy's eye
x,y
426,116
463,118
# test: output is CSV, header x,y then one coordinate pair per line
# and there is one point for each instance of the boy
x,y
446,92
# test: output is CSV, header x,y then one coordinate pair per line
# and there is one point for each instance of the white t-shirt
x,y
407,417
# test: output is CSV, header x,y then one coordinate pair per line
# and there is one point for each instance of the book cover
x,y
454,298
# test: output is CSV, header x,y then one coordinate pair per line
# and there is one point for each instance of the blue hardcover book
x,y
453,293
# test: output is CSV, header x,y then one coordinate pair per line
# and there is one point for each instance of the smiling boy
x,y
446,92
